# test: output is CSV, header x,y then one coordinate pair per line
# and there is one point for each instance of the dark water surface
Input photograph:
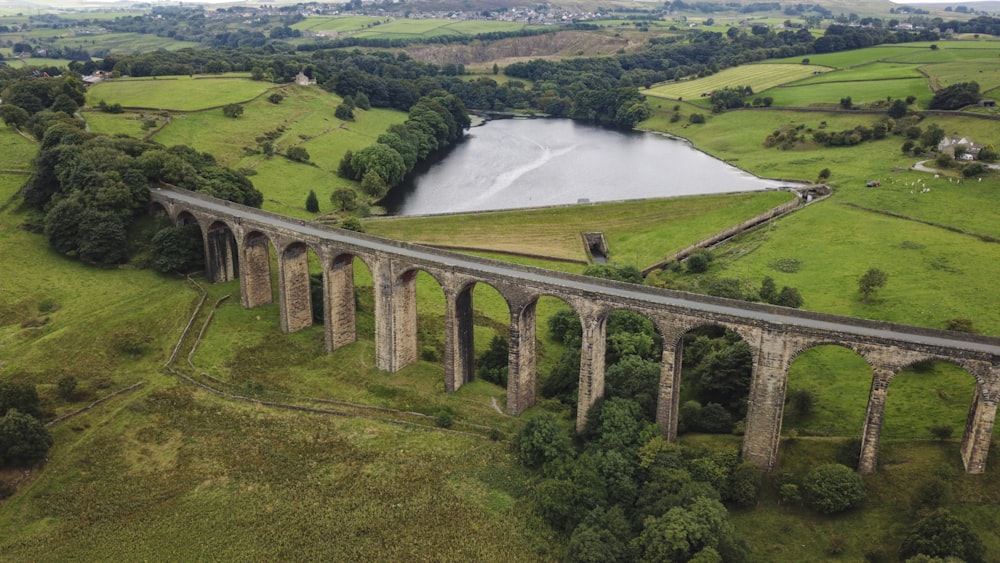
x,y
515,163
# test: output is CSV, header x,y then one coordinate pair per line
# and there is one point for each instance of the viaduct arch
x,y
237,241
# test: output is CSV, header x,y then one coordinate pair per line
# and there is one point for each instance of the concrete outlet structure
x,y
238,238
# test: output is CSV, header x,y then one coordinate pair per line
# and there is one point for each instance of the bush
x,y
344,112
832,488
943,534
698,261
961,325
542,440
744,484
298,154
696,118
444,419
942,432
800,402
24,440
66,387
19,396
974,169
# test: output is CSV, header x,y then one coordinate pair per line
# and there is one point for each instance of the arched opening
x,y
633,353
716,367
483,327
186,218
156,209
558,350
928,402
222,263
826,396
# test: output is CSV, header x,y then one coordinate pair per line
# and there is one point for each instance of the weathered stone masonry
x,y
237,241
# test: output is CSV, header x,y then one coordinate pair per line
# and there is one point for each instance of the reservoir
x,y
517,163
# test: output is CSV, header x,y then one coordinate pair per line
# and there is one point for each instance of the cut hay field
x,y
984,72
760,77
180,93
867,71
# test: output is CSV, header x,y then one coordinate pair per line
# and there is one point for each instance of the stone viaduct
x,y
238,242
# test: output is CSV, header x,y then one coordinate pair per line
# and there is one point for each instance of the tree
x,y
831,488
942,534
871,281
789,297
846,103
232,110
344,199
14,116
344,112
24,440
491,365
312,203
824,173
683,532
298,154
697,262
20,396
66,386
275,98
178,249
897,109
956,96
541,440
932,136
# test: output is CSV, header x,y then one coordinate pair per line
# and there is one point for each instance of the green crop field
x,y
181,93
760,77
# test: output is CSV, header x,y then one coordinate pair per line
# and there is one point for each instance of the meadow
x,y
177,93
417,28
760,77
124,43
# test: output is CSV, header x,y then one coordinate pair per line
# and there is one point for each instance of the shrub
x,y
696,118
961,325
444,419
66,387
744,484
344,112
20,396
943,534
974,169
542,440
24,440
832,488
942,431
298,154
698,261
801,402
932,495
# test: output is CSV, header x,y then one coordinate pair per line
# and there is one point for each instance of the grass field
x,y
37,61
181,93
16,150
406,28
863,92
869,71
306,117
760,77
127,123
339,24
635,231
124,43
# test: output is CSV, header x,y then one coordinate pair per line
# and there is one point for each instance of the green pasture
x,y
847,59
16,150
182,93
984,72
407,28
863,92
639,233
306,114
760,77
127,123
124,43
340,24
870,71
37,61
